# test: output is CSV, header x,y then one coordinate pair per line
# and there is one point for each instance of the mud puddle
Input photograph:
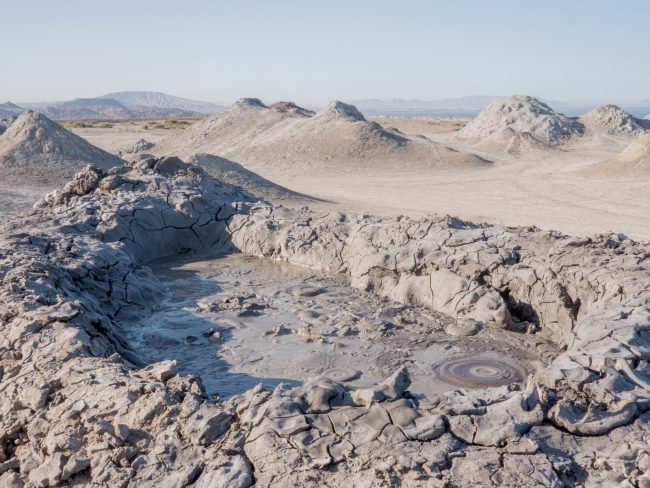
x,y
236,321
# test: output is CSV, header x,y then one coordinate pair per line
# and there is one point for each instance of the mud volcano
x,y
541,337
480,372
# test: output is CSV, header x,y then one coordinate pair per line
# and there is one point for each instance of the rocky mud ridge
x,y
77,407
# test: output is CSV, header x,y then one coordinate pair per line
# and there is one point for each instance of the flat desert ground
x,y
540,190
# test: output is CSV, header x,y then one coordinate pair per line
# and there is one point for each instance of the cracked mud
x,y
84,401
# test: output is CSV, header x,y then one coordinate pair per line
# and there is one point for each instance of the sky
x,y
315,51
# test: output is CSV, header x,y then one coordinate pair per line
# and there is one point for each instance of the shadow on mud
x,y
176,330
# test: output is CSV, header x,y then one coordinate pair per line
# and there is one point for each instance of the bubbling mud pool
x,y
236,321
480,372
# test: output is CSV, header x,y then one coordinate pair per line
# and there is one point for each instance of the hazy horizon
x,y
313,53
572,104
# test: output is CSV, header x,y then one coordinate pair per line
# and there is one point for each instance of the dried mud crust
x,y
76,410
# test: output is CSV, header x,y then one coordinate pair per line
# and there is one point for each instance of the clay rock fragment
x,y
162,371
591,419
391,388
84,182
169,166
502,421
319,395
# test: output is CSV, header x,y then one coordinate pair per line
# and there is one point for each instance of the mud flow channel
x,y
236,321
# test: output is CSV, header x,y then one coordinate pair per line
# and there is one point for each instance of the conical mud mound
x,y
288,137
522,114
41,151
614,120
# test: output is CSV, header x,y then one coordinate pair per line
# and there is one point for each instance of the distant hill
x,y
87,108
161,100
108,108
9,109
116,106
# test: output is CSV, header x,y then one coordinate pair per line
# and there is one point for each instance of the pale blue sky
x,y
312,51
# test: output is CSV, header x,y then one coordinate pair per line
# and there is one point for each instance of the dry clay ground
x,y
539,189
122,134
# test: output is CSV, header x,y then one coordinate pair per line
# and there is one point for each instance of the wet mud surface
x,y
236,321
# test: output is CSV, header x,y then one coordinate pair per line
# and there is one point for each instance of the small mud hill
x,y
634,160
247,122
40,151
289,137
290,107
521,114
614,120
235,174
337,111
512,143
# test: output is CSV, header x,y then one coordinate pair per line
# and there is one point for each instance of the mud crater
x,y
236,321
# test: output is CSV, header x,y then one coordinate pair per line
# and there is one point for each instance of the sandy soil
x,y
122,135
15,198
540,189
432,128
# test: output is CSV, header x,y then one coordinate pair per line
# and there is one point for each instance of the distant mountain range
x,y
471,105
462,104
162,100
116,106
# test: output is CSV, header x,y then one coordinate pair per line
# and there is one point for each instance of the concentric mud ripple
x,y
479,372
463,328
